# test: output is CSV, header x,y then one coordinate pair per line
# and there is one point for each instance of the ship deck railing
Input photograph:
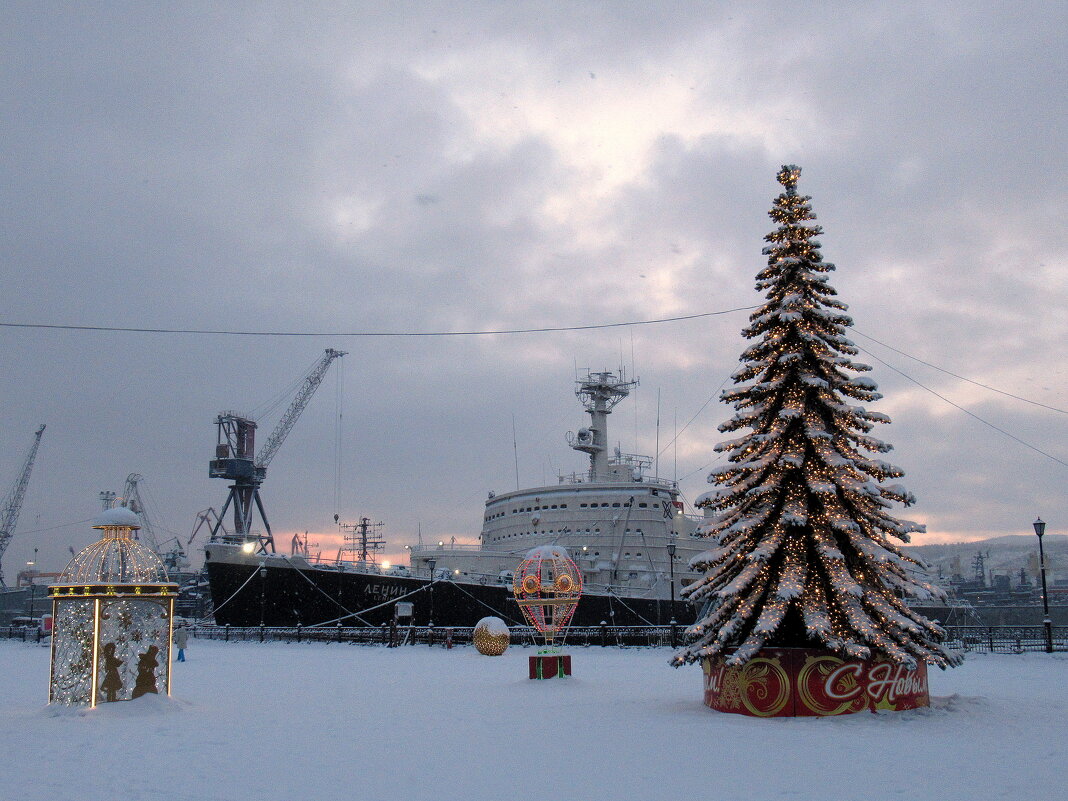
x,y
455,546
614,478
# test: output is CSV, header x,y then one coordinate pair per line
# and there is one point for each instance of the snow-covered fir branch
x,y
800,516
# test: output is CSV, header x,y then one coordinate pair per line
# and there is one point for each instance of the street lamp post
x,y
671,568
431,564
263,596
33,584
1040,529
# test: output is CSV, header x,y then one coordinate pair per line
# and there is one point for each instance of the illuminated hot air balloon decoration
x,y
547,586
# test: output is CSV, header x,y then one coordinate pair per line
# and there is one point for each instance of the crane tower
x,y
236,459
9,512
131,499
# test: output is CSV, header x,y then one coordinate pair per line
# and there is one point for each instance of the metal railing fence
x,y
1004,639
649,636
24,633
970,639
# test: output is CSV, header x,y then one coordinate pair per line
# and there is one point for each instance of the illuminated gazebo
x,y
113,611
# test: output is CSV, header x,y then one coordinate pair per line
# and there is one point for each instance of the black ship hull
x,y
246,594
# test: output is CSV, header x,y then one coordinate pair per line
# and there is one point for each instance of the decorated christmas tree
x,y
803,553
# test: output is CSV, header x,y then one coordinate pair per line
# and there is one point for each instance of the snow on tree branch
x,y
800,514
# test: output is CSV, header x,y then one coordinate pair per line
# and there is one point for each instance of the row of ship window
x,y
577,531
520,510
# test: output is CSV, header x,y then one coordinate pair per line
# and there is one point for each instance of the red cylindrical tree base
x,y
804,682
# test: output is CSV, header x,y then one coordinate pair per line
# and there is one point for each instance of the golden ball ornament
x,y
491,636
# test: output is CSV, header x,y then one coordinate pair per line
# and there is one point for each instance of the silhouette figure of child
x,y
112,682
146,672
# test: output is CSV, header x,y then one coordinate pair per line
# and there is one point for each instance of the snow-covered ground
x,y
325,721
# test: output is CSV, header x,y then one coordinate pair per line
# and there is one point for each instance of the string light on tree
x,y
801,534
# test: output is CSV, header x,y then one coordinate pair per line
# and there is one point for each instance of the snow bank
x,y
252,722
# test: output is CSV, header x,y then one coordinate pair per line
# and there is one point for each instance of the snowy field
x,y
325,721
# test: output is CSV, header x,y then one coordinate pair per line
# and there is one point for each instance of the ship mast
x,y
599,393
363,539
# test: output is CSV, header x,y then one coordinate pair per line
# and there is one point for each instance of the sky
x,y
330,169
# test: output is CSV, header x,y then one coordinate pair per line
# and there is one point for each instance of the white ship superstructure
x,y
627,531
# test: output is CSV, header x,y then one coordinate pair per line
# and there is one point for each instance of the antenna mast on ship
x,y
363,539
599,393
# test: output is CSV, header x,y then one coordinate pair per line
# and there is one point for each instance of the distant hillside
x,y
1001,556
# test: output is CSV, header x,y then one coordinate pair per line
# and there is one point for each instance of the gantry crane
x,y
9,512
236,459
131,499
206,518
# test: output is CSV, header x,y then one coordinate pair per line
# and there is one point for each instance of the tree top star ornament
x,y
800,522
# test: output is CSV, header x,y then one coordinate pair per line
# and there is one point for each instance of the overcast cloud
x,y
483,166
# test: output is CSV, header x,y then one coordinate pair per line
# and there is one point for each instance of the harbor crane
x,y
9,512
131,499
236,460
206,518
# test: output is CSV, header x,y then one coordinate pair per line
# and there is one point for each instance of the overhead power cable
x,y
933,392
970,414
223,332
922,386
704,405
55,528
962,378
